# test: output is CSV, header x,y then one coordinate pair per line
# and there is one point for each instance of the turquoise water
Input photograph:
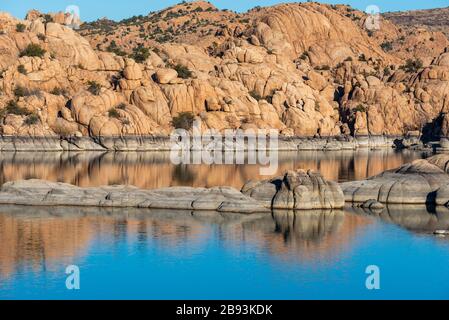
x,y
134,254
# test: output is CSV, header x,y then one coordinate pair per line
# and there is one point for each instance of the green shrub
x,y
387,46
33,50
41,37
58,92
412,65
13,108
115,49
20,91
121,106
94,88
20,27
113,113
140,54
184,120
31,119
48,18
360,108
183,71
21,69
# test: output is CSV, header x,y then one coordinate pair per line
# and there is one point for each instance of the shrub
x,y
140,54
58,92
412,65
113,113
20,27
33,50
13,108
183,71
48,18
20,91
360,108
31,119
184,120
115,49
121,106
21,69
94,88
41,37
387,46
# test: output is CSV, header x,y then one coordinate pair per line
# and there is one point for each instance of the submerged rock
x,y
299,190
420,182
373,205
44,193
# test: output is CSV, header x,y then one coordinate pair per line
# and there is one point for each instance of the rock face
x,y
305,69
300,190
419,182
43,193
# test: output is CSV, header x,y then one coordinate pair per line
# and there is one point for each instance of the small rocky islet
x,y
422,182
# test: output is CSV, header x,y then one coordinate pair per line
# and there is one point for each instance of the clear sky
x,y
94,9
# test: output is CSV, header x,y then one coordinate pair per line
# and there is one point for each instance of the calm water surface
x,y
148,254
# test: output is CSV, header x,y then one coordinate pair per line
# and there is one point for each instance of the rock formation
x,y
44,193
307,69
300,190
420,182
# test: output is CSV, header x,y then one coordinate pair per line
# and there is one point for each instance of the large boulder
x,y
298,190
419,182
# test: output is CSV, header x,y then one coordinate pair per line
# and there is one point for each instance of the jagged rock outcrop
x,y
300,190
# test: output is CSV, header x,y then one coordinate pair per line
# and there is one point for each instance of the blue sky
x,y
93,9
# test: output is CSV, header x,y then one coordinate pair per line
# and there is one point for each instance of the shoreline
x,y
163,143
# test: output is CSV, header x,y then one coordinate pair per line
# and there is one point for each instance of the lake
x,y
155,254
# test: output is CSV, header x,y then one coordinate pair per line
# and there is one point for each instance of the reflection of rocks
x,y
300,190
43,193
143,169
419,182
307,225
415,218
306,235
45,237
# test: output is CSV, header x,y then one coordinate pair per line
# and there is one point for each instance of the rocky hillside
x,y
435,19
306,69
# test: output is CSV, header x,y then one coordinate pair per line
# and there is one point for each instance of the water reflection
x,y
41,239
154,169
415,218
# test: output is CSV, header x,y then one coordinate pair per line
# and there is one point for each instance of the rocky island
x,y
422,182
